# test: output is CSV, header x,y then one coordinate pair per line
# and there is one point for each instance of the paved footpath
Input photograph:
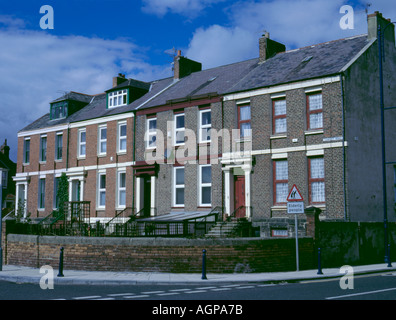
x,y
33,275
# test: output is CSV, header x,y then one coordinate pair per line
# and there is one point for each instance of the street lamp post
x,y
381,34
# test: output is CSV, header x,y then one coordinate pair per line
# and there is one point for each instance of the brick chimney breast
x,y
376,19
184,67
5,149
119,79
268,48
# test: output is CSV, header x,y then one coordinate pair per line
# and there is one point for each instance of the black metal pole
x,y
384,193
204,265
319,262
389,257
60,273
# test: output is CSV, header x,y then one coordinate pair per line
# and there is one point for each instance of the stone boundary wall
x,y
160,254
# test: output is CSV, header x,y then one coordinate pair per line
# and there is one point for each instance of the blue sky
x,y
94,40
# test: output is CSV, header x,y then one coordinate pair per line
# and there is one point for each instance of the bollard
x,y
389,257
319,263
60,273
204,265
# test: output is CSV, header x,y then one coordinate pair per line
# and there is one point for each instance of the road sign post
x,y
295,205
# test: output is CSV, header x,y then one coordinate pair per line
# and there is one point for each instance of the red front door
x,y
239,190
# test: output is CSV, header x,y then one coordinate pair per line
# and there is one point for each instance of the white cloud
x,y
294,23
218,45
188,8
37,67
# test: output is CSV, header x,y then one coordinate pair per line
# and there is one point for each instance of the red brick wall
x,y
160,255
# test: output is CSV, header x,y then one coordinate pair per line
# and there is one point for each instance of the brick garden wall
x,y
159,254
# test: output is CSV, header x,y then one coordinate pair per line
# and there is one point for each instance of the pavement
x,y
20,274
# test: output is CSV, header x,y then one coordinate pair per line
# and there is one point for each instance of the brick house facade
x,y
237,136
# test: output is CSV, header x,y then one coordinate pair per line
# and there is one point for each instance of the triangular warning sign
x,y
294,194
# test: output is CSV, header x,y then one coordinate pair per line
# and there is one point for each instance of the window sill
x,y
204,143
81,158
279,207
119,153
42,162
242,140
313,132
58,160
278,136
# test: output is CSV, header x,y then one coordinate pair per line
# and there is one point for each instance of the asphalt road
x,y
367,287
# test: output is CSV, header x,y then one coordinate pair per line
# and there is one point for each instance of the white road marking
x,y
196,291
180,290
221,289
135,297
152,292
231,286
87,297
360,294
168,294
120,294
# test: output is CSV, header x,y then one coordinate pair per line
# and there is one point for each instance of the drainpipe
x,y
133,159
222,174
343,144
67,148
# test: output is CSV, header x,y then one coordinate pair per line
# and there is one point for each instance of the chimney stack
x,y
376,19
5,149
268,48
184,67
119,79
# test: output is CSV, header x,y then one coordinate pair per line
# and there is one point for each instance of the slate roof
x,y
322,60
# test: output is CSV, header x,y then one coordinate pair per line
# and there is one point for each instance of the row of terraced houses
x,y
238,136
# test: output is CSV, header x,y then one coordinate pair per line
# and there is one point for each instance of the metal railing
x,y
126,223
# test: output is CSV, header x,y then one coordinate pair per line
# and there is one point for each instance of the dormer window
x,y
58,110
117,98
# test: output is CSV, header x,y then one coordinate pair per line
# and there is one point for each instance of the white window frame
x,y
101,140
42,149
178,186
81,143
118,98
150,134
204,126
177,130
120,137
120,189
100,190
202,185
